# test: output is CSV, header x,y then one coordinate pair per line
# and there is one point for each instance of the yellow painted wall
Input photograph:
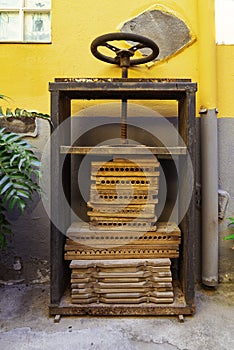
x,y
26,69
225,80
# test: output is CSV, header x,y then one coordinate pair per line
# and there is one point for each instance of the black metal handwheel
x,y
123,56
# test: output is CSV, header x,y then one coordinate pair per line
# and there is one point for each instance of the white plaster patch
x,y
224,14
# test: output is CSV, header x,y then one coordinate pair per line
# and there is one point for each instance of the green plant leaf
x,y
22,186
19,167
4,97
16,155
21,162
12,137
4,179
9,112
21,205
7,196
23,194
12,202
5,188
231,219
228,237
35,163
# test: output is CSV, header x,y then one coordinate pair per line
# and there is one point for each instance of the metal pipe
x,y
209,148
209,165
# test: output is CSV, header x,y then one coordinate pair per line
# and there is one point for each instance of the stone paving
x,y
25,324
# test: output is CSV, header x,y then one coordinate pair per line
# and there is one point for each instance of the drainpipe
x,y
209,147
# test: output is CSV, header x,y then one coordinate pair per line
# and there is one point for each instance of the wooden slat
x,y
125,220
134,182
156,281
79,293
129,300
122,224
119,249
99,243
141,168
116,283
162,228
121,254
167,237
120,273
124,197
144,210
111,150
121,214
120,263
152,269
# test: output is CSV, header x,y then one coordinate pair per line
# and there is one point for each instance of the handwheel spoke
x,y
111,47
137,47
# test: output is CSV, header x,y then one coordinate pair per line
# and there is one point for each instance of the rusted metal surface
x,y
114,80
79,88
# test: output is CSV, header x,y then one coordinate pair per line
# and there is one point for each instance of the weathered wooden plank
x,y
117,211
109,244
122,197
110,150
122,224
167,237
99,291
126,263
159,286
121,273
126,300
121,253
77,229
124,169
90,270
134,182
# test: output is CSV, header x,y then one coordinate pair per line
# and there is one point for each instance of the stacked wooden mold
x,y
121,281
122,215
85,244
123,195
122,255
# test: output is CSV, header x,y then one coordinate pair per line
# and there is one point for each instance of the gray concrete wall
x,y
27,254
226,182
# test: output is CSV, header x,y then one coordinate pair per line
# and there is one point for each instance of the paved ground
x,y
24,324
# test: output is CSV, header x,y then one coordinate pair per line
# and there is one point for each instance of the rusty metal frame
x,y
63,91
